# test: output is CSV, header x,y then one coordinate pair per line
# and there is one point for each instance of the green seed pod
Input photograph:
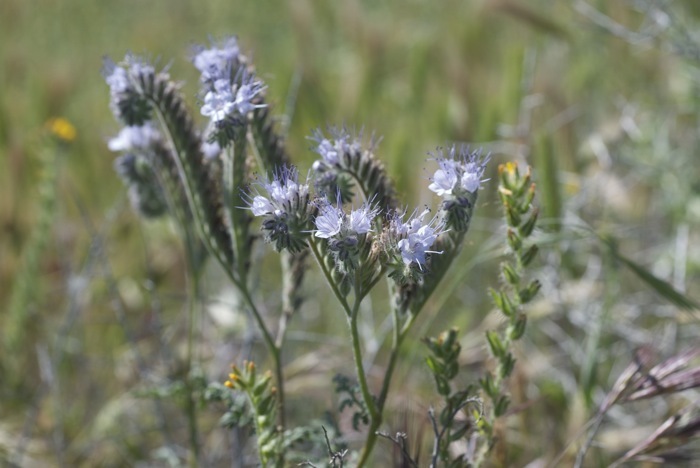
x,y
528,226
495,343
529,255
510,275
517,328
530,291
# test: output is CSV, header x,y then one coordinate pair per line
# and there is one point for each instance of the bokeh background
x,y
599,97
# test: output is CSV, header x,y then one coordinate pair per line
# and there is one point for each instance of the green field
x,y
600,98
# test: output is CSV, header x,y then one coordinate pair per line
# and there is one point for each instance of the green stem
x,y
375,415
329,278
270,344
361,375
191,405
400,333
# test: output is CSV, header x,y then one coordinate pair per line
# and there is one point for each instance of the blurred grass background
x,y
607,117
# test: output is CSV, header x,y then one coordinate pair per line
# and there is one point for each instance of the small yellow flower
x,y
62,129
509,167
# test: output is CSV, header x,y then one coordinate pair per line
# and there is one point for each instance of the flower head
x,y
211,149
132,138
227,98
248,89
332,221
445,179
218,61
115,76
219,102
414,238
345,233
282,191
460,172
360,220
283,203
62,129
457,182
126,103
332,149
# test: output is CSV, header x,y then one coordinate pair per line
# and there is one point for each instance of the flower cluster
x,y
228,98
345,164
346,233
409,243
133,138
230,91
126,103
457,182
145,194
218,61
285,207
334,150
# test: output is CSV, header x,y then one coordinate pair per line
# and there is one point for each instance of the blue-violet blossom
x,y
332,149
282,191
334,222
459,174
415,237
218,61
132,138
284,205
227,98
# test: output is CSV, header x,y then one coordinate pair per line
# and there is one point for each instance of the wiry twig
x,y
400,441
335,457
436,440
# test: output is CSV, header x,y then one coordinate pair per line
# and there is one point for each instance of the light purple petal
x,y
261,206
329,222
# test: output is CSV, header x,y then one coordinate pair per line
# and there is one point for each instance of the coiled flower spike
x,y
285,207
218,61
409,243
457,182
345,233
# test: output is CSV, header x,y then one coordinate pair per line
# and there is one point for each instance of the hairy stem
x,y
191,405
329,278
274,351
400,333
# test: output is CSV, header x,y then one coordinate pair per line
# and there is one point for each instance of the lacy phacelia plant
x,y
345,215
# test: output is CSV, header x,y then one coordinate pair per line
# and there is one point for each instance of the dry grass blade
x,y
666,377
663,444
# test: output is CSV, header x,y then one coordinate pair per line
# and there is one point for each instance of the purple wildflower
x,y
247,91
210,150
459,174
115,76
226,98
333,222
330,221
332,149
135,138
415,237
282,192
219,103
218,61
285,209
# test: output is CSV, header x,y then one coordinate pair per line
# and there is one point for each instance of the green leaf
x,y
662,287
